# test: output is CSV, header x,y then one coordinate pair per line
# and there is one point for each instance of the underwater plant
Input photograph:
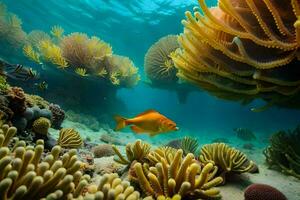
x,y
180,177
189,145
283,153
158,65
69,138
57,32
11,32
243,50
81,51
121,71
134,151
26,174
228,159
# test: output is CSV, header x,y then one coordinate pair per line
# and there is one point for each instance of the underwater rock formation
x,y
136,151
263,192
242,50
179,178
283,153
69,138
228,159
103,150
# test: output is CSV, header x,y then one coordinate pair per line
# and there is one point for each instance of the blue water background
x,y
131,26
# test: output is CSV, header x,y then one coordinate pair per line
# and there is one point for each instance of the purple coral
x,y
58,115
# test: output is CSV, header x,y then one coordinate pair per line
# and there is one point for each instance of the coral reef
x,y
41,126
58,116
244,134
242,50
283,153
27,174
103,150
158,65
35,100
16,97
228,159
69,138
136,151
263,192
158,154
179,178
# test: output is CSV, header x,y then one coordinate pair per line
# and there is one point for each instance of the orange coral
x,y
243,49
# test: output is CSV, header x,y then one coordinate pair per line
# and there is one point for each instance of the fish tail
x,y
121,122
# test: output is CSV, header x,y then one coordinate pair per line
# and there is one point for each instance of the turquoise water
x,y
131,27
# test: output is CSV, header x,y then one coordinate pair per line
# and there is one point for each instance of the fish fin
x,y
137,129
147,112
121,122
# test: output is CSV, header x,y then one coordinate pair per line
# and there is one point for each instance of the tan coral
x,y
228,159
180,177
242,50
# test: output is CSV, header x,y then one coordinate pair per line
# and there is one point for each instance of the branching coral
x,y
11,32
136,151
35,100
166,153
31,53
283,153
57,32
228,159
69,138
112,187
179,178
159,66
242,50
26,174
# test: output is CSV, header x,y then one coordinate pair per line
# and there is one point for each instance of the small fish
x,y
17,71
42,85
149,122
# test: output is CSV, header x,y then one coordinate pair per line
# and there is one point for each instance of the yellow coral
x,y
57,32
52,53
226,158
102,73
69,138
179,178
136,151
27,174
81,71
31,53
80,50
41,126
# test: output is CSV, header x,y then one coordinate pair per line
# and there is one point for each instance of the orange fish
x,y
150,122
